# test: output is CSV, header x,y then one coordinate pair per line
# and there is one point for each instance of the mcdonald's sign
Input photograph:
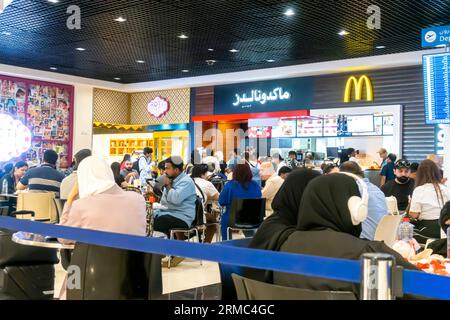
x,y
358,85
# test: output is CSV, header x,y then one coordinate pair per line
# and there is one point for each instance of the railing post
x,y
377,276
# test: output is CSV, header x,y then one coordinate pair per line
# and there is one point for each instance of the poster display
x,y
44,108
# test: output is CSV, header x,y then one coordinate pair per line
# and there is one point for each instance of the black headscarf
x,y
278,226
325,205
445,215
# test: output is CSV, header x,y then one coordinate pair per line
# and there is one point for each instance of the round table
x,y
36,240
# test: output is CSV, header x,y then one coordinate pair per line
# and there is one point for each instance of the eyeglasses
x,y
402,164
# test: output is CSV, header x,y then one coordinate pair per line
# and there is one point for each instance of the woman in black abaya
x,y
325,228
282,223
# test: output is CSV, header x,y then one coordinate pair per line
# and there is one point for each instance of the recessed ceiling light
x,y
234,50
210,49
185,70
53,68
343,33
80,49
289,12
183,36
6,33
120,19
116,78
53,1
140,61
270,60
380,47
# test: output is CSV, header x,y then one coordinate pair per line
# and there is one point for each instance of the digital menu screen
x,y
259,132
360,123
330,125
285,129
310,128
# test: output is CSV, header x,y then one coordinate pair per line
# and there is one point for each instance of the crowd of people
x,y
331,212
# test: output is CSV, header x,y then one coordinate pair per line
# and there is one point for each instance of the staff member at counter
x,y
383,155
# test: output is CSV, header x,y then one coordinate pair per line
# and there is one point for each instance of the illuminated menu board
x,y
436,70
309,127
285,129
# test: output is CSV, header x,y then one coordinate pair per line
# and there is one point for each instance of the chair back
x,y
392,206
115,274
387,229
41,203
247,213
256,290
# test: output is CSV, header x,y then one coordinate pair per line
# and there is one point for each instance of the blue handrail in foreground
x,y
417,283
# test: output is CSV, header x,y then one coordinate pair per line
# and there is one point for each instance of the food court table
x,y
8,195
37,240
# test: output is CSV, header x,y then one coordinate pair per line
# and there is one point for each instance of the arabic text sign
x,y
436,36
436,74
264,96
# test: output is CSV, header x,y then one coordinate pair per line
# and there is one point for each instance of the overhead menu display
x,y
360,123
436,71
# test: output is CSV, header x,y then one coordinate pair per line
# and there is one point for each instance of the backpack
x,y
199,209
136,165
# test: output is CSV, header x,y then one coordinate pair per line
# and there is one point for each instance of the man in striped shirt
x,y
45,177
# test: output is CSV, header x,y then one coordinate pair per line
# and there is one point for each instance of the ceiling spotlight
x,y
289,12
53,1
183,36
210,62
140,61
185,70
234,50
53,68
270,60
116,78
380,47
80,49
343,33
210,49
120,19
6,33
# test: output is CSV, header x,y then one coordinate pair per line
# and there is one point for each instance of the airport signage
x,y
436,36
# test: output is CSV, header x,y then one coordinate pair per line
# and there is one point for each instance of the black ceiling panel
x,y
39,37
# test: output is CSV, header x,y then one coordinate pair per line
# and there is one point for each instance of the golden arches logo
x,y
358,84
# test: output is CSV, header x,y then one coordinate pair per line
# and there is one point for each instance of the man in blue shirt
x,y
377,202
387,172
178,198
45,177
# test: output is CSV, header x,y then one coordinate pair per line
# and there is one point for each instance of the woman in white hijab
x,y
101,204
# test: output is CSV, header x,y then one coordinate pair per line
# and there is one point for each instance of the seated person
x,y
427,201
69,181
206,190
440,246
241,187
387,172
13,177
282,223
128,173
102,205
159,184
402,186
329,168
326,227
118,178
43,178
377,201
272,186
178,198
